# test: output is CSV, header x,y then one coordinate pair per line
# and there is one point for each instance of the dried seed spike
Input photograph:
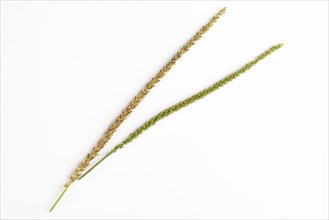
x,y
139,97
134,103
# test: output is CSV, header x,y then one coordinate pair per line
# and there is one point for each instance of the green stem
x,y
60,196
185,103
96,164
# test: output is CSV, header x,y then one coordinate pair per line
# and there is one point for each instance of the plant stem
x,y
184,103
60,196
95,165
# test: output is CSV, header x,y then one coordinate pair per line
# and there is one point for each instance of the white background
x,y
257,148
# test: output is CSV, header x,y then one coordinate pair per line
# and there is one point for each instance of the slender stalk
x,y
95,165
183,104
60,196
135,102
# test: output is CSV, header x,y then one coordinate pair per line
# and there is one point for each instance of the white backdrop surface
x,y
255,149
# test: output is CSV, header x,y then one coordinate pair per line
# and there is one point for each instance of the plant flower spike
x,y
79,171
203,93
134,103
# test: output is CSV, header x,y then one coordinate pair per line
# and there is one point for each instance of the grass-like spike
x,y
183,104
135,102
